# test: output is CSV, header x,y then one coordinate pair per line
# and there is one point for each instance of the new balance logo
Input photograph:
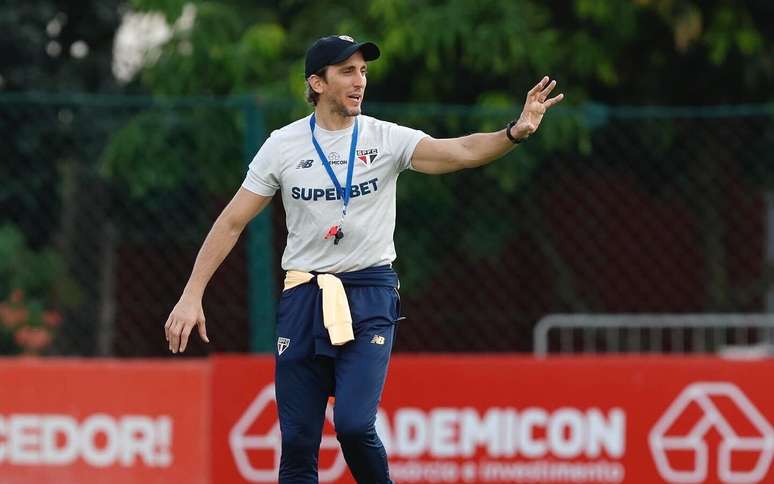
x,y
304,164
377,340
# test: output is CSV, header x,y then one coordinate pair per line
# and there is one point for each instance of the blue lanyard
x,y
348,189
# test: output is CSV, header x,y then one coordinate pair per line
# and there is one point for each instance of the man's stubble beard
x,y
342,110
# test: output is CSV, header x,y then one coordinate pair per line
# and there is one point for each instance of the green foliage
x,y
613,51
40,274
171,9
162,148
260,46
200,60
36,37
731,28
470,64
34,287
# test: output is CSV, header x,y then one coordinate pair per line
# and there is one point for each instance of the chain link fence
x,y
106,200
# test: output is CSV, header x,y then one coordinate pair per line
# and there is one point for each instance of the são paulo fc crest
x,y
282,344
367,157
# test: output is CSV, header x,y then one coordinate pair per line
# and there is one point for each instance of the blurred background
x,y
127,125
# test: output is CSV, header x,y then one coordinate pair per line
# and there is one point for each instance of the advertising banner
x,y
89,421
443,419
505,419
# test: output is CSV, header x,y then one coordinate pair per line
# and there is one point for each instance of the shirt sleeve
x,y
263,173
403,141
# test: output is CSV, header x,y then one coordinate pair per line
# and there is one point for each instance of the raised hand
x,y
535,107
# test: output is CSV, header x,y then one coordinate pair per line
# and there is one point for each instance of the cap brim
x,y
369,49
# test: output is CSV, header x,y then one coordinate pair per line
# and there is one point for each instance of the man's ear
x,y
317,83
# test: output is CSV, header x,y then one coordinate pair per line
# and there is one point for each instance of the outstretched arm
x,y
224,233
438,156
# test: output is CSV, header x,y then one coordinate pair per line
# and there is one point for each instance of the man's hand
x,y
181,322
535,107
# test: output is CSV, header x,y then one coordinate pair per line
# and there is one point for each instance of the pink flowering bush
x,y
34,292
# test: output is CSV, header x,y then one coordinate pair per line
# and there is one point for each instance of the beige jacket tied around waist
x,y
336,315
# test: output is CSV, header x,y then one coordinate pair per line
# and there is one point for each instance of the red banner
x,y
88,421
443,419
479,419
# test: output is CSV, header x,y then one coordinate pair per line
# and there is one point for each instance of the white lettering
x,y
610,434
99,456
529,445
504,432
550,471
100,440
52,427
410,432
444,423
137,436
566,432
164,441
510,430
3,439
475,431
419,471
24,437
383,430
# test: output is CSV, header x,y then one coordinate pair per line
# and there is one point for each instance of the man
x,y
337,171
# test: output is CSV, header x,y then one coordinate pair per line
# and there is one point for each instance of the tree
x,y
469,63
56,47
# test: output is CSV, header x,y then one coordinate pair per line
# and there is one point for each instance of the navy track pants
x,y
307,373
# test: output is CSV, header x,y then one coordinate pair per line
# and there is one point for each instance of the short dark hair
x,y
312,97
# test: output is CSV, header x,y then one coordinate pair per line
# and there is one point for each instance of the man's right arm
x,y
221,239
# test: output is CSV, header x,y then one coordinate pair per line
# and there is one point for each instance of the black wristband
x,y
509,135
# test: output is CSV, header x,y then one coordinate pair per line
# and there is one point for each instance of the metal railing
x,y
105,201
651,333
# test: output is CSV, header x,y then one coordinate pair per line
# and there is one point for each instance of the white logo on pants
x,y
241,441
282,344
699,408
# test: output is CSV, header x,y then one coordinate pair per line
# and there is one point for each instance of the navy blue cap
x,y
333,49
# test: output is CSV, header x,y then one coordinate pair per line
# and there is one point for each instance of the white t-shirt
x,y
289,162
